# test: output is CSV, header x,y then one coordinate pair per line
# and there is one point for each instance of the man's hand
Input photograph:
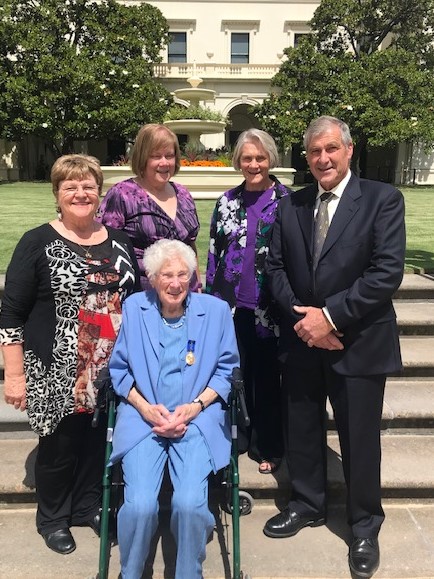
x,y
330,342
315,329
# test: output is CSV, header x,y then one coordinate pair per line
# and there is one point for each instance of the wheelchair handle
x,y
238,387
102,384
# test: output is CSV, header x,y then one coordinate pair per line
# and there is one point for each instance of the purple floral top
x,y
228,236
128,207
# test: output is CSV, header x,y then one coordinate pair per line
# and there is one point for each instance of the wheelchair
x,y
236,502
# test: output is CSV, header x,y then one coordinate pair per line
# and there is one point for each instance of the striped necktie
x,y
321,226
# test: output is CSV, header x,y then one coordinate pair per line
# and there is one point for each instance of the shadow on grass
x,y
419,261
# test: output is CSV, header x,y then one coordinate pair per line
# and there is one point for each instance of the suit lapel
x,y
305,203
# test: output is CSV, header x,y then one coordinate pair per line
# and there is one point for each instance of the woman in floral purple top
x,y
149,206
240,234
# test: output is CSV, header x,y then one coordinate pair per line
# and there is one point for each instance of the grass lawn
x,y
25,205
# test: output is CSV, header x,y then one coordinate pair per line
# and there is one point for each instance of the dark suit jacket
x,y
360,268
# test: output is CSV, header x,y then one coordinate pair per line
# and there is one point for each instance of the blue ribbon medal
x,y
189,357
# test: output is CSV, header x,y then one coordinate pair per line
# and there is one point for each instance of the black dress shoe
x,y
364,557
288,523
95,524
60,541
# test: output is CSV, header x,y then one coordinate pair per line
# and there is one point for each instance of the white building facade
x,y
236,47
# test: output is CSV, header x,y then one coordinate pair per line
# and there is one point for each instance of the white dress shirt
x,y
337,191
332,205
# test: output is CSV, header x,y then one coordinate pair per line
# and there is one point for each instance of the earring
x,y
59,213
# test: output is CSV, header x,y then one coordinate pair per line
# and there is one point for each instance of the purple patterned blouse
x,y
127,206
228,237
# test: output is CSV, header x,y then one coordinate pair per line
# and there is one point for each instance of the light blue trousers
x,y
191,520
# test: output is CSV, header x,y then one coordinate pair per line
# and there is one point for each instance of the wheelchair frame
x,y
237,507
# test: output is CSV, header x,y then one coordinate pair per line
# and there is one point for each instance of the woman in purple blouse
x,y
150,206
240,234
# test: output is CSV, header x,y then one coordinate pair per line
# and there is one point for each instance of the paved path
x,y
406,542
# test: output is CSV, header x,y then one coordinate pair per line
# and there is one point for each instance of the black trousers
x,y
357,404
68,473
261,372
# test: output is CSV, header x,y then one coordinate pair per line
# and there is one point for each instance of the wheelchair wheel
x,y
246,504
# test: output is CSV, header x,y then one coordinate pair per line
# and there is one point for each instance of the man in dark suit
x,y
334,264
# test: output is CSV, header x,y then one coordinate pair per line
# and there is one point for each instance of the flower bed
x,y
202,163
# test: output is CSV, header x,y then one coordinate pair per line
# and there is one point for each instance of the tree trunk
x,y
55,149
358,162
67,146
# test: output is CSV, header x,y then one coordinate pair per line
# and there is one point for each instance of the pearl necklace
x,y
175,326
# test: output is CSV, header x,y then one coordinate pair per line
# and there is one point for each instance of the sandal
x,y
268,466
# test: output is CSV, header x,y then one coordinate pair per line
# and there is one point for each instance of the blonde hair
x,y
75,166
150,138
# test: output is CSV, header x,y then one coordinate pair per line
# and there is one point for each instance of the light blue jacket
x,y
135,358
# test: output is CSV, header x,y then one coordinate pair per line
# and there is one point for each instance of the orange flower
x,y
201,163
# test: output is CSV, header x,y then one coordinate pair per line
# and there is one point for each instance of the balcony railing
x,y
212,70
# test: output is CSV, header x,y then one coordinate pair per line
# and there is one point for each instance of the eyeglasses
x,y
73,189
182,276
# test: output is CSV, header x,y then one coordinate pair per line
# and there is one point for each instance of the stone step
x,y
417,356
415,318
413,286
407,404
407,470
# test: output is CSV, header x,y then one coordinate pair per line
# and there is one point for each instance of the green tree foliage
x,y
368,62
363,25
79,69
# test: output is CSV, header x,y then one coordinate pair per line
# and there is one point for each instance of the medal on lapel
x,y
189,357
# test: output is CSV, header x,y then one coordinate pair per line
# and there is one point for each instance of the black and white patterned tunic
x,y
65,309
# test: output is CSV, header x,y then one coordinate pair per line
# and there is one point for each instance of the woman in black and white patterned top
x,y
59,319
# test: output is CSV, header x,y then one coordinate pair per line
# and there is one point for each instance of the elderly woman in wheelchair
x,y
171,368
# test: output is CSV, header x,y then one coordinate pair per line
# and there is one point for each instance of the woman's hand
x,y
178,421
165,423
15,391
15,380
